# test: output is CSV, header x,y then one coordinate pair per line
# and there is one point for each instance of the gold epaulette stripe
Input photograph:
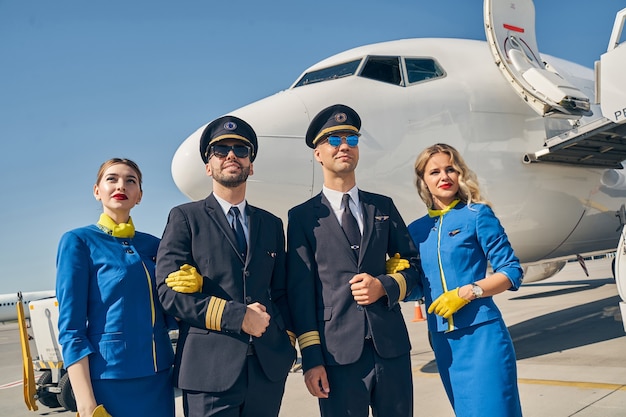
x,y
292,337
309,339
214,313
401,283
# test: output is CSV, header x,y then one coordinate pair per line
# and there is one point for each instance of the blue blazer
x,y
108,305
464,239
320,263
210,358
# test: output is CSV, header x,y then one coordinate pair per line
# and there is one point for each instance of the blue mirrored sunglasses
x,y
351,140
221,151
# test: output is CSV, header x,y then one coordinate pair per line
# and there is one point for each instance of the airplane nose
x,y
188,169
279,122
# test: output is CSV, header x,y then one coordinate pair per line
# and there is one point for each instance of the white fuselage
x,y
548,210
8,302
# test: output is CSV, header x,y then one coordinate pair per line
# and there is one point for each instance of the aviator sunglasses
x,y
351,140
222,151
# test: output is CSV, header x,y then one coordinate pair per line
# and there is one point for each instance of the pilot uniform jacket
x,y
198,234
320,263
108,307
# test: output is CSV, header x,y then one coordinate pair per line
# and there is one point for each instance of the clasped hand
x,y
186,280
366,289
256,320
447,304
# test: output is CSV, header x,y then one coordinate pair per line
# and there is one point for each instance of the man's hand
x,y
256,320
448,303
366,289
396,264
186,280
317,382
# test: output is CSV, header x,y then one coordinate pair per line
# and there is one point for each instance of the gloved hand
x,y
186,280
448,303
100,411
396,264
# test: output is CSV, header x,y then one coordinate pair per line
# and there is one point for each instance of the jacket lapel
x,y
255,225
369,210
216,214
328,220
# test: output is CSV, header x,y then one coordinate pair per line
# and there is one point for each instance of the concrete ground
x,y
567,331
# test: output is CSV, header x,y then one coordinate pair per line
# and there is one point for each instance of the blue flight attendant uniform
x,y
109,311
473,348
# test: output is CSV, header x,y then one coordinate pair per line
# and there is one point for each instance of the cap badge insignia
x,y
341,117
230,125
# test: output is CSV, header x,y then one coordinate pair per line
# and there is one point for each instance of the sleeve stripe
x,y
401,283
214,313
292,337
309,339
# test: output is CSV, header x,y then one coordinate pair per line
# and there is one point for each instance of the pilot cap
x,y
336,118
227,127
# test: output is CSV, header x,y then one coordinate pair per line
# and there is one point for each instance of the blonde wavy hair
x,y
469,190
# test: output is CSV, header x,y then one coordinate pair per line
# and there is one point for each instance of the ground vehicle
x,y
52,387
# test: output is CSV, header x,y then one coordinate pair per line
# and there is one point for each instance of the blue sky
x,y
84,81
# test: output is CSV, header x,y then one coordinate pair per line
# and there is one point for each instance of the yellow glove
x,y
100,411
185,280
448,303
396,264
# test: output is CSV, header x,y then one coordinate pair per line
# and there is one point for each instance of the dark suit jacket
x,y
320,263
198,234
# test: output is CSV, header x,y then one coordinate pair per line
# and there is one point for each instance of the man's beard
x,y
231,181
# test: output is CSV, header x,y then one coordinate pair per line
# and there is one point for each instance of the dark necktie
x,y
350,225
238,228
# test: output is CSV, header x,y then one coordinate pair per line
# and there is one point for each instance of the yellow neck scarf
x,y
437,213
108,226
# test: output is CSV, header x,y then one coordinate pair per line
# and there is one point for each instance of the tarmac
x,y
567,331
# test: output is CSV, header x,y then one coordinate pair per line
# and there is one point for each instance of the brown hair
x,y
469,191
114,161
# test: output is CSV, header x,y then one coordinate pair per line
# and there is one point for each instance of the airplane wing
x,y
599,142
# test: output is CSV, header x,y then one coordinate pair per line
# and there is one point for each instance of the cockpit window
x,y
330,73
420,69
383,68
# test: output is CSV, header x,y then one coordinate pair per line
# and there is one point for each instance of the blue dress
x,y
109,311
473,348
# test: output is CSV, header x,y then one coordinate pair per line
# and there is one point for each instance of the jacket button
x,y
125,243
130,251
248,299
359,307
246,273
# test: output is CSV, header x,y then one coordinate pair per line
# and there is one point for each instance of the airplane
x,y
8,302
546,137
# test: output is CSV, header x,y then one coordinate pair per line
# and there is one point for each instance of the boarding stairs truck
x,y
52,387
600,143
610,81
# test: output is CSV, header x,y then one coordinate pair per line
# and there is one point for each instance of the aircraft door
x,y
612,63
510,30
